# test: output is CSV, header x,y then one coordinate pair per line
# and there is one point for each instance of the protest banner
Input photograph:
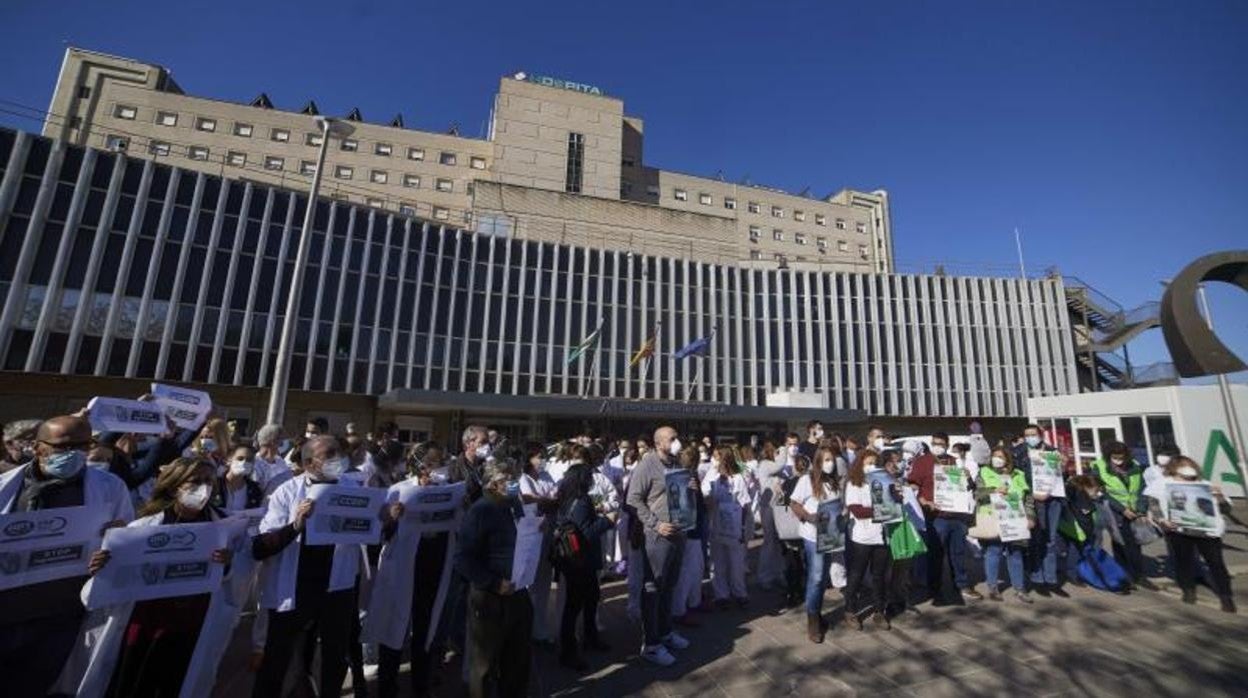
x,y
154,562
884,506
1011,517
828,537
1192,507
46,544
1046,474
680,503
949,490
344,515
188,408
429,508
125,416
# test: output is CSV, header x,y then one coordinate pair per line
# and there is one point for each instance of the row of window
x,y
777,234
730,203
780,256
282,135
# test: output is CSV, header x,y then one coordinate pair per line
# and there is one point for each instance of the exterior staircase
x,y
1102,330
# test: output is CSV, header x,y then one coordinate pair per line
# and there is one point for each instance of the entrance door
x,y
1091,435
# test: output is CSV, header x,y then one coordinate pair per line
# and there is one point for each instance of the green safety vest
x,y
1127,494
992,479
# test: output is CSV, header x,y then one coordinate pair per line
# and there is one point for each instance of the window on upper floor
x,y
777,235
862,251
84,92
476,162
167,118
378,177
236,158
374,202
383,149
842,246
274,162
777,212
415,153
704,199
407,208
755,233
349,145
411,181
307,168
158,148
799,238
197,152
799,215
280,135
116,143
314,139
441,213
821,219
860,227
243,130
840,223
344,172
204,123
730,203
125,111
754,207
680,195
574,167
446,158
756,254
444,184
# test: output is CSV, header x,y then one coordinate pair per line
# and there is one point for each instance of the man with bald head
x,y
39,623
647,495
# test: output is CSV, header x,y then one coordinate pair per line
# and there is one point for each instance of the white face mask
x,y
938,450
195,498
818,433
793,450
1118,461
333,468
308,435
242,467
1163,460
1188,472
878,443
674,448
483,451
998,462
829,466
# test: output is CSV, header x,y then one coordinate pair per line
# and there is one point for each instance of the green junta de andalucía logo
x,y
1218,441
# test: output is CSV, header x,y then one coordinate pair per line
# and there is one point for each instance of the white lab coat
x,y
279,574
90,666
101,491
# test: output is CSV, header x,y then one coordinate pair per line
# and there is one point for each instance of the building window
x,y
167,118
778,256
378,177
407,209
628,162
821,219
125,111
799,216
158,148
822,243
755,254
574,168
777,212
753,207
842,246
241,129
799,238
411,181
652,190
840,223
313,139
375,203
272,162
680,195
777,235
704,199
730,203
349,144
441,214
444,185
755,233
382,149
197,152
477,163
445,158
307,168
862,251
235,158
280,135
416,154
344,172
206,124
84,92
116,143
861,227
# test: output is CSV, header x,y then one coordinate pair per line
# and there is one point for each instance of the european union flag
x,y
697,347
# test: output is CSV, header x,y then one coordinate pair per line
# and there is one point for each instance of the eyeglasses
x,y
74,446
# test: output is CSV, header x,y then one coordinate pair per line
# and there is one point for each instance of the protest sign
x,y
828,536
429,508
1192,507
251,518
949,490
344,515
884,506
188,408
38,546
1046,474
681,506
125,416
1011,517
154,562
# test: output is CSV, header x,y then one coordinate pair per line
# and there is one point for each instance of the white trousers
x,y
728,565
688,592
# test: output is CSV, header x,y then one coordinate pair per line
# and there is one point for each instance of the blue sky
x,y
1114,134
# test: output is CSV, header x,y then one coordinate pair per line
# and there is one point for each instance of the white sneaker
x,y
675,641
658,654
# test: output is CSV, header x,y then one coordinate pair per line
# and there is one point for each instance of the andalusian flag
x,y
647,348
586,344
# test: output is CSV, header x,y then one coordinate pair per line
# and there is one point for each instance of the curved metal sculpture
x,y
1196,350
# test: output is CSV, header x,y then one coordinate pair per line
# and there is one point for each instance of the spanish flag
x,y
647,348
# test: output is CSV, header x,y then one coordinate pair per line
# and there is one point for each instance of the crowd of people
x,y
600,508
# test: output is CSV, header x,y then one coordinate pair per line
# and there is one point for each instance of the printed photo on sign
x,y
829,537
1011,517
1192,507
680,502
39,546
949,490
884,506
1046,474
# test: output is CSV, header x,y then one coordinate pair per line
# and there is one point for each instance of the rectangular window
x,y
378,177
444,185
842,246
799,238
307,168
407,209
730,203
777,235
441,213
272,162
158,148
241,129
344,172
125,111
822,243
862,251
755,233
446,158
755,254
861,227
799,216
167,118
416,154
680,195
575,166
349,144
777,212
411,181
313,139
375,203
840,223
84,92
203,123
280,135
477,163
116,143
753,207
382,149
704,199
821,219
652,190
236,159
197,152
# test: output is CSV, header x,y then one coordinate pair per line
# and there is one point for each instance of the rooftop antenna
x,y
805,192
1018,242
719,174
453,130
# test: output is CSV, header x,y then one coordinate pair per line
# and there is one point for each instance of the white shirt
x,y
541,487
804,495
604,491
270,474
863,531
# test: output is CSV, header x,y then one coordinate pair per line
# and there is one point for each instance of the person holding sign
x,y
1043,465
1002,493
305,587
171,645
945,495
867,549
819,485
580,572
40,622
1186,508
727,495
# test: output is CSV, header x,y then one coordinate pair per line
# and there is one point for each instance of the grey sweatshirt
x,y
647,492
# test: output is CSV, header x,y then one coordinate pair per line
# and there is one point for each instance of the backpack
x,y
1101,570
570,549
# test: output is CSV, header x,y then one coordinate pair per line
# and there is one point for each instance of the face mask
x,y
674,449
64,465
998,462
1163,460
333,468
195,498
850,453
793,450
98,465
818,433
1118,461
829,466
1188,472
483,451
878,443
208,445
1033,441
242,467
938,450
308,435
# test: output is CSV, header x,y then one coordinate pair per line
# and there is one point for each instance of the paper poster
x,y
1011,517
154,562
681,506
252,517
430,508
188,408
38,546
949,491
125,416
828,537
528,554
1046,474
884,506
344,515
1192,507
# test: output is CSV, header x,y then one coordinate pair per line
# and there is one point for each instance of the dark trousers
x,y
430,557
864,557
662,570
33,652
499,630
1128,553
1185,549
330,615
581,600
794,570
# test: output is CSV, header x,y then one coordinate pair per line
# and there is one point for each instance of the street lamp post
x,y
281,374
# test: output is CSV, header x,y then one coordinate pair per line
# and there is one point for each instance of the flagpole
x,y
593,365
697,373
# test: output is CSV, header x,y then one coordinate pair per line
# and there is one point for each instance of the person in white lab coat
x,y
769,474
727,494
537,493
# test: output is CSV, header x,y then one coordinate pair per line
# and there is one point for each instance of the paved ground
x,y
1143,645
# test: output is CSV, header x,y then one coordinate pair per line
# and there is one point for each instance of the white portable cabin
x,y
1189,417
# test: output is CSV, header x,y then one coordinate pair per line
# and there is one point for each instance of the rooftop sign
x,y
558,83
